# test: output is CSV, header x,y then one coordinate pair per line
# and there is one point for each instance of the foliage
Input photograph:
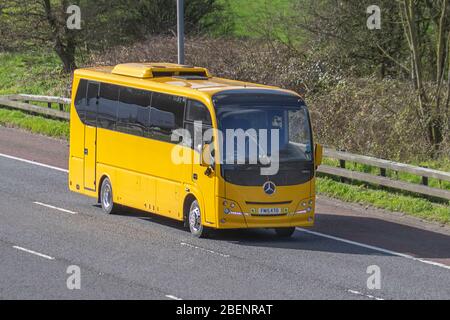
x,y
26,24
35,124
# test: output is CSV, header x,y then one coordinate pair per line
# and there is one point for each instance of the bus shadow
x,y
266,238
147,217
368,231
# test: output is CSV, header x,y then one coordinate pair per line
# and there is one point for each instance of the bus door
x,y
204,180
90,137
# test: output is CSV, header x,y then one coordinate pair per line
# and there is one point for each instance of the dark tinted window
x,y
80,99
196,111
92,102
107,106
133,111
166,115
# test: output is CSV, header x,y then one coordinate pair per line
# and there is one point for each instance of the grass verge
x,y
32,73
392,201
35,124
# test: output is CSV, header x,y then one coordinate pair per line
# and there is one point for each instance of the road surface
x,y
44,229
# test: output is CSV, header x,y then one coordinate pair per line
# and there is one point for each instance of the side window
x,y
197,113
107,106
80,99
133,111
166,115
92,103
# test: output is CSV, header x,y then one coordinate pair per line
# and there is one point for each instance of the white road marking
x,y
55,208
205,250
34,252
365,295
34,163
393,253
173,297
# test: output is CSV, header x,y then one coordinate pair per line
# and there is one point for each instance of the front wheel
x,y
195,221
106,197
285,232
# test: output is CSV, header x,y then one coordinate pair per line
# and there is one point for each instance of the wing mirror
x,y
207,158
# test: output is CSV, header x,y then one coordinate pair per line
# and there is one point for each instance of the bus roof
x,y
171,77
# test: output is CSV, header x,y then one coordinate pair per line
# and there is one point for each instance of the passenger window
x,y
80,99
133,112
107,106
92,103
166,115
197,111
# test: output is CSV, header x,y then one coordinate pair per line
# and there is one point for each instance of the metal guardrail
x,y
22,102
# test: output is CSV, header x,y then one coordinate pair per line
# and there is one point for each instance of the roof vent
x,y
154,70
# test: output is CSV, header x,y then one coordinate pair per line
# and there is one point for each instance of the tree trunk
x,y
66,52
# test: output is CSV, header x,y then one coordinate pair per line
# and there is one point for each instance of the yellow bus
x,y
123,152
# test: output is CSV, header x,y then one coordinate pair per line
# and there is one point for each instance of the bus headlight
x,y
305,207
231,208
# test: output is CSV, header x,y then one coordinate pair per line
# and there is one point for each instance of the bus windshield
x,y
262,120
275,126
294,143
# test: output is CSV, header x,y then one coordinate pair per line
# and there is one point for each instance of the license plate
x,y
269,211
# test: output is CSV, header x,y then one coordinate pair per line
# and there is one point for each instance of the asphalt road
x,y
44,229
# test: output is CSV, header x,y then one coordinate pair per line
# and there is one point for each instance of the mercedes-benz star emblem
x,y
269,188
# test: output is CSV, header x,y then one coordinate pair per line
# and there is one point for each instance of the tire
x,y
195,221
106,197
285,232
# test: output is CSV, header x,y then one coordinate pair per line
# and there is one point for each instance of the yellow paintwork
x,y
146,70
143,175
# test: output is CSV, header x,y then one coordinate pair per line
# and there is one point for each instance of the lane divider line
x,y
204,250
172,297
389,252
34,252
34,163
365,295
55,208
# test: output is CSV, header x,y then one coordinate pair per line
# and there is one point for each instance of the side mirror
x,y
318,155
206,159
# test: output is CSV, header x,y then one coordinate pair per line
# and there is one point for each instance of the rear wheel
x,y
285,232
106,197
195,221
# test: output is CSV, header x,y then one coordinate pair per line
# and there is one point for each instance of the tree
x,y
427,29
105,23
413,44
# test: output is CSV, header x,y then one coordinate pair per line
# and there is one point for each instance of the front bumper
x,y
236,218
